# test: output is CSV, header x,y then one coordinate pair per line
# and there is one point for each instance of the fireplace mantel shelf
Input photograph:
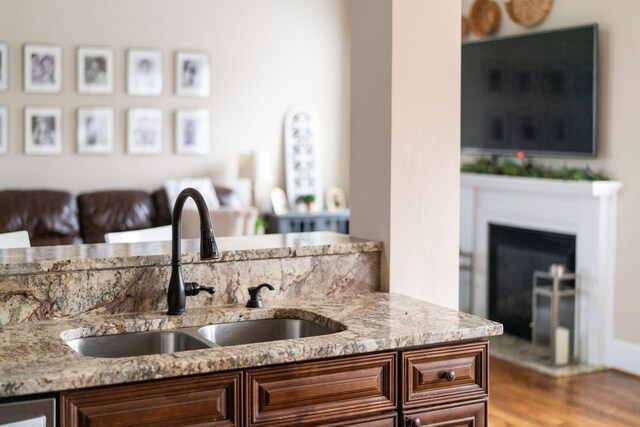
x,y
541,185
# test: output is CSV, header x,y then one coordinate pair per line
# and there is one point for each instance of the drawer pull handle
x,y
415,422
450,375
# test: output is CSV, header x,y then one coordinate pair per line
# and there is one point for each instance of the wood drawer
x,y
384,420
471,414
210,400
311,393
444,374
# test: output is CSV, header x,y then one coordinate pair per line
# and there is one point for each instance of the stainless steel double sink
x,y
198,337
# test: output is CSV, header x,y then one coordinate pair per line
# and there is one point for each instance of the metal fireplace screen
x,y
514,254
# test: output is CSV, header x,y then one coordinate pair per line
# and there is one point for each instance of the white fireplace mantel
x,y
584,209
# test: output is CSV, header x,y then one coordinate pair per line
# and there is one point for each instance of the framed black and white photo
x,y
95,131
192,132
144,131
43,131
144,72
192,74
42,69
4,130
4,67
95,70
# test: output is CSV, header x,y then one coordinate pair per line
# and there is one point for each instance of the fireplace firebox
x,y
514,254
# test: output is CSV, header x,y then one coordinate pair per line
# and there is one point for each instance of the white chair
x,y
15,239
155,234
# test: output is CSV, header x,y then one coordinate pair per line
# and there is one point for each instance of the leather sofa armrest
x,y
50,217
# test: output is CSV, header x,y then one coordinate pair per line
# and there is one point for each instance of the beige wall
x,y
370,169
266,55
405,155
618,132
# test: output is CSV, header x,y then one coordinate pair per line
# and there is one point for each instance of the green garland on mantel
x,y
510,167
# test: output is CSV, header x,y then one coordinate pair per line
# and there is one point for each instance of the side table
x,y
297,222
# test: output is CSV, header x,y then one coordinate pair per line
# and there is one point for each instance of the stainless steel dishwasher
x,y
29,413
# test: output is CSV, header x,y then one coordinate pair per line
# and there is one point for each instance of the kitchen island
x,y
392,359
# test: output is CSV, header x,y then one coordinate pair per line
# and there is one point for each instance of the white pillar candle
x,y
562,346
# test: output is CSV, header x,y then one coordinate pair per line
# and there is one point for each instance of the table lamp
x,y
255,166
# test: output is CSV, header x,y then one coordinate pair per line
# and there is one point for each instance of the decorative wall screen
x,y
301,155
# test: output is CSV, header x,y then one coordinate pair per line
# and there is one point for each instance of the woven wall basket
x,y
528,13
484,17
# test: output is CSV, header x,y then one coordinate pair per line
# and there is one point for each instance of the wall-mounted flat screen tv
x,y
535,94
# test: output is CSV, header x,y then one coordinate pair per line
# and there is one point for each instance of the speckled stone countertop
x,y
34,358
122,255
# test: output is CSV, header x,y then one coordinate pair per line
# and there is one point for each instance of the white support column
x,y
405,141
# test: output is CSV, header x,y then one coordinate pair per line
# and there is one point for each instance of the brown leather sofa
x,y
60,218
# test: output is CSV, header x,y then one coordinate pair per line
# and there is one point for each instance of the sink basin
x,y
254,331
136,344
197,337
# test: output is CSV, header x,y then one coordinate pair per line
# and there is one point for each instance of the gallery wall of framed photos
x,y
42,74
264,57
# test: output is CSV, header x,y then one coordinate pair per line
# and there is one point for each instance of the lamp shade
x,y
255,166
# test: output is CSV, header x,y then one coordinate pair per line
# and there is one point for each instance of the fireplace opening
x,y
514,254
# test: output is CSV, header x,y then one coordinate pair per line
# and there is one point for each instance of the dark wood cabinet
x,y
430,386
468,414
384,420
445,386
311,392
211,400
444,374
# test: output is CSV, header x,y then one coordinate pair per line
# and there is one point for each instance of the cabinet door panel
x,y
211,400
473,414
444,374
323,391
384,420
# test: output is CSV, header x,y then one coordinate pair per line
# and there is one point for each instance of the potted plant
x,y
261,226
307,199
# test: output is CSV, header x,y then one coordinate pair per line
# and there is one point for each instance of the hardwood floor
x,y
522,397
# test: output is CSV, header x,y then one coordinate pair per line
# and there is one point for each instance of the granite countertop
x,y
64,258
35,359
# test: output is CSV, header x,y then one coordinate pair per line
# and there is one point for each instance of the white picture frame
x,y
336,199
192,74
144,72
144,131
42,68
43,131
279,202
94,131
4,67
192,132
4,130
94,70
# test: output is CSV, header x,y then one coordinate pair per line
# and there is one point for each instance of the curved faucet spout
x,y
176,295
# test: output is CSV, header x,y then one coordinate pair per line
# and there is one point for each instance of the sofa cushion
x,y
50,217
104,212
226,197
173,187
